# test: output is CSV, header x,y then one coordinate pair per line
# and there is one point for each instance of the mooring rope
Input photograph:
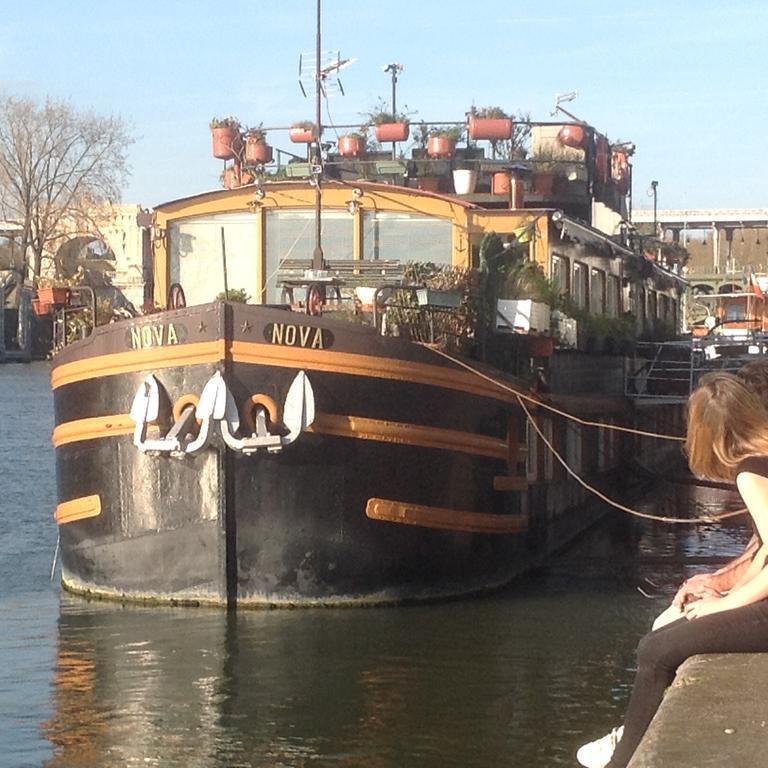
x,y
542,404
522,397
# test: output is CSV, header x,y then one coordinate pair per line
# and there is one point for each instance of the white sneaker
x,y
596,754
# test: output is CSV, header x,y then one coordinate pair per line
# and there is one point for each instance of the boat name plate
x,y
155,335
293,335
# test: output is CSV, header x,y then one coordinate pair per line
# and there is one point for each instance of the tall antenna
x,y
330,64
562,98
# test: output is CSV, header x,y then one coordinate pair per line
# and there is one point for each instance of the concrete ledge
x,y
714,714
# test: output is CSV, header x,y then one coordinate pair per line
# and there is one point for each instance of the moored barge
x,y
381,422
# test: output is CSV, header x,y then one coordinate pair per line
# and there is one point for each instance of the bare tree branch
x,y
57,166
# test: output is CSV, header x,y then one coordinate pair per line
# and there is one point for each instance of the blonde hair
x,y
727,422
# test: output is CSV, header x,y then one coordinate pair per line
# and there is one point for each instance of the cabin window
x,y
406,237
612,299
560,269
196,261
597,291
290,236
579,292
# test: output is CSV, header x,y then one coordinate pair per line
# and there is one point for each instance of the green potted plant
x,y
441,142
303,132
546,164
257,151
226,137
489,123
388,125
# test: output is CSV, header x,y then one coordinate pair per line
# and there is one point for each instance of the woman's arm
x,y
722,580
753,584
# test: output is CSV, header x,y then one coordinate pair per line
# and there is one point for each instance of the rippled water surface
x,y
519,679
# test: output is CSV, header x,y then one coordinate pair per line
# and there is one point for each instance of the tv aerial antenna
x,y
564,98
326,76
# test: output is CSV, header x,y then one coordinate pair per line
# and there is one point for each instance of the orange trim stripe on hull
x,y
92,429
325,423
409,434
446,519
348,363
138,360
77,509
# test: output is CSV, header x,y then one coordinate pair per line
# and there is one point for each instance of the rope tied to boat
x,y
522,397
547,406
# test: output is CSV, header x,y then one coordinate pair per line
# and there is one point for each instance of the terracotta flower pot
x,y
39,308
301,135
500,183
503,183
257,151
226,142
490,128
573,136
52,295
441,146
351,146
392,132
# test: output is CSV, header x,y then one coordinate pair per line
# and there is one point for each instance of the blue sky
x,y
685,81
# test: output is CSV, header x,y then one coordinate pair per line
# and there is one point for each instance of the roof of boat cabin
x,y
329,184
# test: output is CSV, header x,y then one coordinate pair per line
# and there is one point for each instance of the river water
x,y
520,678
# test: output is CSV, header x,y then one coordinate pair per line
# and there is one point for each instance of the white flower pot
x,y
464,181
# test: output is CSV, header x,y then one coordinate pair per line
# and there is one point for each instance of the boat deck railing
x,y
669,371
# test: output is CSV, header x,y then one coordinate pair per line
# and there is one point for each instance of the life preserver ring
x,y
620,170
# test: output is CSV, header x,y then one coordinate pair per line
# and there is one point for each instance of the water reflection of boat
x,y
314,449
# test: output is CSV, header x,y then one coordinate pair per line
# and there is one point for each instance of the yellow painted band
x,y
138,360
78,509
93,428
356,427
279,356
409,434
443,518
353,364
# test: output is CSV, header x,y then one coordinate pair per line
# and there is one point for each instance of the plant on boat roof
x,y
453,132
362,135
256,132
225,122
489,113
58,281
234,294
381,114
550,159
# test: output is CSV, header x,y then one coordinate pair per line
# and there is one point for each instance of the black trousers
x,y
660,653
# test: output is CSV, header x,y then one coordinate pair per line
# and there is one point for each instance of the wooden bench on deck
x,y
343,274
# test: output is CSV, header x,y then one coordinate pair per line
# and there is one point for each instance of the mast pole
x,y
318,260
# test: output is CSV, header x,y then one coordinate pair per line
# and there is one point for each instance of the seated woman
x,y
727,440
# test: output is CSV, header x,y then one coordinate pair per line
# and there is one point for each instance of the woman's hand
x,y
704,607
